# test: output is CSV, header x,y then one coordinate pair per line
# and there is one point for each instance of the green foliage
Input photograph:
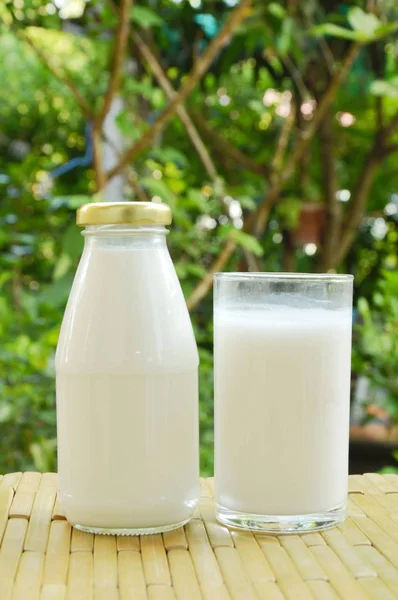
x,y
376,353
145,17
366,27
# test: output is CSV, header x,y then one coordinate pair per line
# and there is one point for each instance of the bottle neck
x,y
135,236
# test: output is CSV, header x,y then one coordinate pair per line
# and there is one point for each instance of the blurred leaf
x,y
385,88
198,199
62,266
146,17
72,242
73,202
169,154
157,187
285,39
247,241
57,293
127,125
288,211
366,23
276,10
336,31
44,453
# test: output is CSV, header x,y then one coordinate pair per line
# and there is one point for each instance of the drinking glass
x,y
282,352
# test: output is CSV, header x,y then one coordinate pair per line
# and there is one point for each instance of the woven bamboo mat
x,y
41,558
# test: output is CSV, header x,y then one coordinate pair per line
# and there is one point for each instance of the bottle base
x,y
130,531
281,524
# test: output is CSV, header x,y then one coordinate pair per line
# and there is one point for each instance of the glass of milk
x,y
127,379
282,350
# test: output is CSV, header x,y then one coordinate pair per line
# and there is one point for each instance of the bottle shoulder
x,y
127,311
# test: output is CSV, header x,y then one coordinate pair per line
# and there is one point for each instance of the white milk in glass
x,y
127,388
282,381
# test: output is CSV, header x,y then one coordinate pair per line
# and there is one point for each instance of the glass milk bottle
x,y
127,379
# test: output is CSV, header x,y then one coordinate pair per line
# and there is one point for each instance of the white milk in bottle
x,y
127,382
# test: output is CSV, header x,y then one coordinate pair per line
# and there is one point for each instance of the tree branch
x,y
283,141
206,283
332,204
181,111
260,216
62,77
360,195
121,37
391,128
307,135
228,149
379,151
199,69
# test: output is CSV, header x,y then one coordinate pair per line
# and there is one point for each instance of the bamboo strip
x,y
381,483
379,539
392,479
210,483
367,487
268,590
375,495
377,487
39,523
196,513
128,542
25,495
131,576
353,534
340,578
215,591
57,554
373,510
253,559
219,535
204,561
28,579
347,554
353,509
322,590
154,558
185,584
266,540
80,576
290,582
376,588
175,539
313,539
302,558
205,489
58,511
383,567
10,553
235,576
355,484
53,592
160,592
106,593
82,541
11,480
6,495
105,561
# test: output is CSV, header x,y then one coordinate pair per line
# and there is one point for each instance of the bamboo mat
x,y
42,558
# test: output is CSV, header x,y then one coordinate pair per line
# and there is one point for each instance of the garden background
x,y
271,129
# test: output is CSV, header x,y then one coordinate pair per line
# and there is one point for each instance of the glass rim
x,y
285,276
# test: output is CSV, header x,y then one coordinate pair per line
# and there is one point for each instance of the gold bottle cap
x,y
128,213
